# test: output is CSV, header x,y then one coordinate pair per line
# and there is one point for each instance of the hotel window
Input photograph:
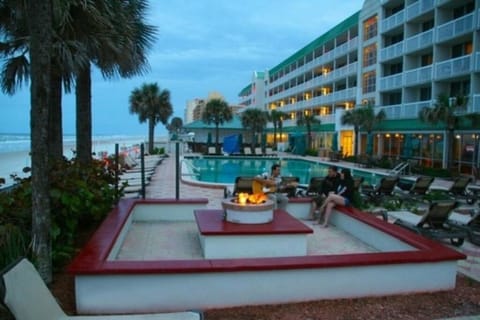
x,y
425,94
462,49
370,28
369,80
370,55
426,60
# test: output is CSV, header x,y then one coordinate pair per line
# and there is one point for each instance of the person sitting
x,y
343,196
330,184
274,187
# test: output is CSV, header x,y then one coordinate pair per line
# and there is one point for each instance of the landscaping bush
x,y
80,196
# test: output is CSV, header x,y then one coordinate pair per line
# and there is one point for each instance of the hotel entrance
x,y
346,142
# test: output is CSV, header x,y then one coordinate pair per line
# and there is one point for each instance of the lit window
x,y
369,82
370,55
370,28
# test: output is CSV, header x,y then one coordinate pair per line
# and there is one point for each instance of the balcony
x,y
405,111
391,82
419,8
419,41
453,67
393,21
419,75
455,28
391,52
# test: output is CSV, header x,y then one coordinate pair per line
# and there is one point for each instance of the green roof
x,y
330,127
246,91
329,35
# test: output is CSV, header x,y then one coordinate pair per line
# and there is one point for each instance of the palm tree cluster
x,y
255,121
364,118
53,43
308,120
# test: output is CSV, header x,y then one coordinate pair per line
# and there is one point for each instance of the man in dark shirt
x,y
330,184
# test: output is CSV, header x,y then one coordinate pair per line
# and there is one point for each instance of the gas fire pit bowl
x,y
248,213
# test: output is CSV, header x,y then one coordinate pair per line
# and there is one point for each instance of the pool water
x,y
225,169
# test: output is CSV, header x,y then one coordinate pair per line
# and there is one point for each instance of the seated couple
x,y
337,189
276,188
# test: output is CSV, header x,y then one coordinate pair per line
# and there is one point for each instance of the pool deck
x,y
162,185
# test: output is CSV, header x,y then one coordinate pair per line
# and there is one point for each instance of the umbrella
x,y
407,146
369,148
334,142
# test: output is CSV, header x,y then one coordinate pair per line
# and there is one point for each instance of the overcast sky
x,y
201,47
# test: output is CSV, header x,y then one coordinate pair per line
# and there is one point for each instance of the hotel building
x,y
395,55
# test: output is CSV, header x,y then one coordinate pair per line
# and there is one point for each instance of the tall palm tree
x,y
217,112
152,105
254,120
362,118
448,113
277,119
40,43
308,120
120,50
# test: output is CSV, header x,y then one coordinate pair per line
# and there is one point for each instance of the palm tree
x,y
277,119
41,39
447,112
176,125
254,120
308,120
153,106
217,112
119,49
362,117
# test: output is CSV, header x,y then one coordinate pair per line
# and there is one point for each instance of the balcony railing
x,y
391,82
419,75
453,67
405,111
393,51
393,21
419,8
455,28
419,41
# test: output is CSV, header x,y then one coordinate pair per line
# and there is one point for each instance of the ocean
x,y
15,150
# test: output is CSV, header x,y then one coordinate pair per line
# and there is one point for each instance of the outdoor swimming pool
x,y
224,170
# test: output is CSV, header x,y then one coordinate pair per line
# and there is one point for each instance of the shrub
x,y
80,196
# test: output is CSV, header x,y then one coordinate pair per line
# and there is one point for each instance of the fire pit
x,y
248,209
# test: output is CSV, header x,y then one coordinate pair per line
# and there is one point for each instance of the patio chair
x,y
418,189
469,222
212,151
458,190
290,190
313,189
247,151
375,194
434,223
242,185
26,296
258,151
269,152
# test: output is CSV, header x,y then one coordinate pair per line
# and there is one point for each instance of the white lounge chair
x,y
27,297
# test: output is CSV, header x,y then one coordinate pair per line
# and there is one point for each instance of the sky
x,y
201,47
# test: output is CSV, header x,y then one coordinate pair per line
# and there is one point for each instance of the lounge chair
x,y
458,190
434,223
259,152
418,190
375,194
247,151
242,184
468,222
212,151
314,187
26,296
269,152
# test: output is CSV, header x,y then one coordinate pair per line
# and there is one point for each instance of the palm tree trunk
x,y
84,115
55,129
40,27
449,149
151,134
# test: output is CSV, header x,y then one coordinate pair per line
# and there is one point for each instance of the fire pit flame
x,y
246,198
